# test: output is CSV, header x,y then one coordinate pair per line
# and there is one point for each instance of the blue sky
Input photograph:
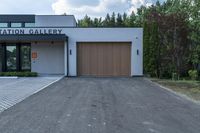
x,y
94,8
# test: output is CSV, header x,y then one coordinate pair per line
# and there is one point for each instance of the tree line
x,y
111,20
171,35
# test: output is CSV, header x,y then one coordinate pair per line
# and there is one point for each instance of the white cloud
x,y
100,9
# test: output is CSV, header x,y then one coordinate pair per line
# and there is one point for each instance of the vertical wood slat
x,y
104,59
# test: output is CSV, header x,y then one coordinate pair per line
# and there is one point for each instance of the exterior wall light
x,y
138,52
70,52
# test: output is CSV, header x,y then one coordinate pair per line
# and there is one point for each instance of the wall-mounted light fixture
x,y
70,52
138,52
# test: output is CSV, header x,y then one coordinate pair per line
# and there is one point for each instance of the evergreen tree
x,y
119,22
125,20
131,20
85,22
106,22
194,23
97,22
113,20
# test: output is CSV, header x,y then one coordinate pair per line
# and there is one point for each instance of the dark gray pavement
x,y
102,105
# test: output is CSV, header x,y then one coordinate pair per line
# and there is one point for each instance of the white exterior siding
x,y
133,35
50,58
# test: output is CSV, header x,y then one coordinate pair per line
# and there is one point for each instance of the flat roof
x,y
28,18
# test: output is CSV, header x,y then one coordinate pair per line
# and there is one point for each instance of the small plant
x,y
175,76
19,74
193,74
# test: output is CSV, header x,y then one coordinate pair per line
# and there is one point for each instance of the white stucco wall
x,y
133,35
50,58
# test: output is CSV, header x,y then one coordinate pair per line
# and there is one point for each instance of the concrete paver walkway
x,y
13,91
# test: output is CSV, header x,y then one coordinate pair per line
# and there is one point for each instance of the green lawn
x,y
187,87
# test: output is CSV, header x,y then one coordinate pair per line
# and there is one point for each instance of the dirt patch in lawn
x,y
186,87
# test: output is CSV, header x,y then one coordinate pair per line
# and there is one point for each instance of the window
x,y
29,24
25,57
1,54
3,24
17,57
11,57
16,25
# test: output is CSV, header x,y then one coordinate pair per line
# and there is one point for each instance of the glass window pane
x,y
11,58
1,52
16,24
25,57
29,24
3,24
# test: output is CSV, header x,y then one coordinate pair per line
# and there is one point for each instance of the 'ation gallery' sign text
x,y
29,31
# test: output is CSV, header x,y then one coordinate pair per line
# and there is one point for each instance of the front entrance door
x,y
25,57
11,58
16,57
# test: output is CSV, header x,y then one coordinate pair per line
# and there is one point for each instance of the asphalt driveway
x,y
102,105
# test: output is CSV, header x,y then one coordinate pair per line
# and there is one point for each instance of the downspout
x,y
67,57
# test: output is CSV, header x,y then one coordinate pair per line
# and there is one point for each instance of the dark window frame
x,y
21,45
18,56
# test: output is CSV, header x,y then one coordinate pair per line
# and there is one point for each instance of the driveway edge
x,y
176,93
7,77
47,86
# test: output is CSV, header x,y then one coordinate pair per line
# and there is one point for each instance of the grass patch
x,y
19,74
188,87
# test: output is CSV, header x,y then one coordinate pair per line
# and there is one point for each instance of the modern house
x,y
53,44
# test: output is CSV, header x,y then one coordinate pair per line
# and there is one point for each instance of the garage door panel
x,y
93,59
108,57
125,62
104,59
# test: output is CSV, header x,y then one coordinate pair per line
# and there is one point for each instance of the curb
x,y
7,77
47,85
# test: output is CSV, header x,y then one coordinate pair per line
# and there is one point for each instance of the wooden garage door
x,y
104,59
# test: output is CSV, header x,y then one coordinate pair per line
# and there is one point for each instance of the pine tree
x,y
113,20
131,20
119,22
96,22
106,22
125,20
194,23
85,22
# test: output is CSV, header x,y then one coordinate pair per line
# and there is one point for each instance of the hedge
x,y
19,74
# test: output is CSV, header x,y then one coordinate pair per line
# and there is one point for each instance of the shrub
x,y
19,74
193,74
175,76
